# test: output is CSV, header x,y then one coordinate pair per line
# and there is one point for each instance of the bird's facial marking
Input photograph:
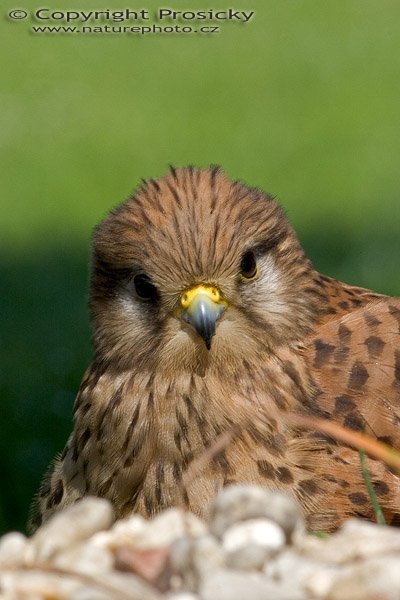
x,y
232,239
249,269
267,286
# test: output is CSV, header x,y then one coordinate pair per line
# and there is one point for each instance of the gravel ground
x,y
254,547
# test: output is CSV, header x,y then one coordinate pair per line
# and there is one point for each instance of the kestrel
x,y
207,317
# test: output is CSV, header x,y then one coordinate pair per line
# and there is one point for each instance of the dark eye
x,y
144,288
248,266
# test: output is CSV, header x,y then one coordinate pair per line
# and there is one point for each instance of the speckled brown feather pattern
x,y
292,340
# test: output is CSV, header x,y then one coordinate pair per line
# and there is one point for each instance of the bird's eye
x,y
144,288
248,266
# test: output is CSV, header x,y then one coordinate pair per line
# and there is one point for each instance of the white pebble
x,y
354,541
86,558
374,579
168,526
131,527
261,532
126,585
241,502
201,554
248,558
37,585
181,557
315,577
67,527
12,549
42,585
127,532
181,596
233,585
190,558
207,554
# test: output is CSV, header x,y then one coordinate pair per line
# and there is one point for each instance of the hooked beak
x,y
202,307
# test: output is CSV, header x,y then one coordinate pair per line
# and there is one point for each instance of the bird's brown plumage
x,y
291,340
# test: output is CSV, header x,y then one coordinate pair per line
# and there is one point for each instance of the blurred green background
x,y
304,102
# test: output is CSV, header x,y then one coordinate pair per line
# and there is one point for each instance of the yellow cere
x,y
208,290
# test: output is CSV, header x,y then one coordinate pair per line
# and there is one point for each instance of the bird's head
x,y
195,271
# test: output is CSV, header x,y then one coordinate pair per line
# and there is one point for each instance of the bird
x,y
209,319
